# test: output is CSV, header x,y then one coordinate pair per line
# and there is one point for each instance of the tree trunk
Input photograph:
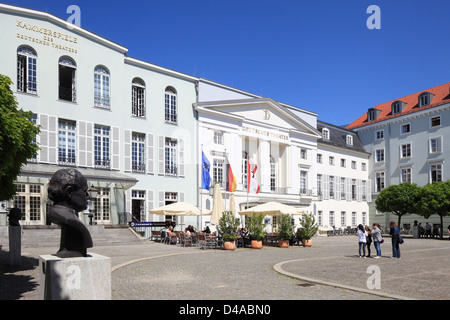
x,y
442,227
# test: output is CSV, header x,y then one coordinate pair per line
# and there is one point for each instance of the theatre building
x,y
316,167
126,124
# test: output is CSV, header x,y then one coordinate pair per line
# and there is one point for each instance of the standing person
x,y
376,237
395,233
428,230
368,240
448,230
362,241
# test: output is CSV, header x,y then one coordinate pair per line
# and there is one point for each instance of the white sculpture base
x,y
86,278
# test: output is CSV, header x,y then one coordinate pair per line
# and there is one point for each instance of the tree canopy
x,y
399,199
434,199
17,132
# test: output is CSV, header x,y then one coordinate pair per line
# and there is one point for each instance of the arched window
x,y
26,70
171,105
67,79
101,87
138,98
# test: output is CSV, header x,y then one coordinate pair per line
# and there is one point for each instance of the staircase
x,y
49,236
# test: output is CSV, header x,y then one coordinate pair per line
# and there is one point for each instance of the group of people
x,y
366,236
429,231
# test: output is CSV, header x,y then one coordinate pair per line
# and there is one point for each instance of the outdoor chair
x,y
156,236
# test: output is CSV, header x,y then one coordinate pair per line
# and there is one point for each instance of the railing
x,y
66,161
138,168
102,164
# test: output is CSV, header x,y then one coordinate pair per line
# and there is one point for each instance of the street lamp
x,y
93,193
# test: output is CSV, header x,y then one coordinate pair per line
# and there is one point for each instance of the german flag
x,y
231,179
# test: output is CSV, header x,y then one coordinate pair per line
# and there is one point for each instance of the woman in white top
x,y
362,234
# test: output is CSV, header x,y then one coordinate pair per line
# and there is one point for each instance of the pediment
x,y
265,112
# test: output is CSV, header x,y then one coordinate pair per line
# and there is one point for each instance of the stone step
x,y
49,236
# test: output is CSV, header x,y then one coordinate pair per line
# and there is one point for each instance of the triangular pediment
x,y
263,111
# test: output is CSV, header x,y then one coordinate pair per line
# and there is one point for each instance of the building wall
x,y
51,40
419,161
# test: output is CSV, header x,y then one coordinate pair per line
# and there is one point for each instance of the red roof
x,y
441,95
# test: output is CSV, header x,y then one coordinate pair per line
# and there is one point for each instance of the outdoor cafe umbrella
x,y
272,209
179,209
218,205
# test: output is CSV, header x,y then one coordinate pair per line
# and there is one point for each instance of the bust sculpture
x,y
14,217
68,191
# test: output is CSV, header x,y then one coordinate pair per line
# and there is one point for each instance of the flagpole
x,y
201,193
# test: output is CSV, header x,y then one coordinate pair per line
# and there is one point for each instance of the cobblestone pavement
x,y
330,270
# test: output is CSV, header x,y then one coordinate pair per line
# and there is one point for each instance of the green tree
x,y
435,199
17,132
399,199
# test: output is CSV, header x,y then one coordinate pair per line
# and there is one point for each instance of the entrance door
x,y
137,210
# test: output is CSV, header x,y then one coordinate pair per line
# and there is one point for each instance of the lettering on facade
x,y
47,37
265,133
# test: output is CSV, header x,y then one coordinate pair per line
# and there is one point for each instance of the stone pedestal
x,y
87,278
415,232
15,245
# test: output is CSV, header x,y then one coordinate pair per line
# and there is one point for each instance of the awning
x,y
47,171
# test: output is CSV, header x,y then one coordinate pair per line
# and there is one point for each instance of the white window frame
x,y
379,155
171,109
406,174
405,125
379,135
102,87
27,70
138,98
439,145
440,171
405,153
435,126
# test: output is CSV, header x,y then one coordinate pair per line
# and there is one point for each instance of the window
x,y
343,219
67,79
353,165
138,152
319,218
353,189
436,172
244,168
102,205
66,142
363,190
405,150
26,70
319,158
363,166
101,88
436,121
379,181
342,188
331,161
353,218
349,140
425,99
372,114
379,135
331,186
303,182
406,175
171,157
102,147
331,218
326,134
273,174
379,155
343,163
303,154
30,199
171,105
397,107
435,145
319,184
406,128
218,166
138,98
218,137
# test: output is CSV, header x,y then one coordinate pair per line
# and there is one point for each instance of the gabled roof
x,y
441,96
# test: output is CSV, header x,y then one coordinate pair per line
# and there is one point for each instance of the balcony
x,y
138,168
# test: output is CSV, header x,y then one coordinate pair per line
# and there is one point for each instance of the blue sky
x,y
317,55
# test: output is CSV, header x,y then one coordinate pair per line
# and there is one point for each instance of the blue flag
x,y
206,179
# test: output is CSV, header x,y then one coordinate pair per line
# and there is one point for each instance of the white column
x,y
264,159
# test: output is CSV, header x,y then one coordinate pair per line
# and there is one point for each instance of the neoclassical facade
x,y
126,124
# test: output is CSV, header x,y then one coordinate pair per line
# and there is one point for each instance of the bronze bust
x,y
68,191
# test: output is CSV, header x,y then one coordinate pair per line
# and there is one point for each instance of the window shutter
x,y
128,203
326,187
150,201
161,155
181,194
181,156
338,192
358,190
150,153
115,148
48,139
349,189
162,199
369,191
85,144
127,151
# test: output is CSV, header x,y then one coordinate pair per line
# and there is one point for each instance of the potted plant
x,y
285,230
256,228
227,228
307,230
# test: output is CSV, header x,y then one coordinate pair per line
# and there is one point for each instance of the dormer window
x,y
372,114
425,99
397,107
325,134
349,140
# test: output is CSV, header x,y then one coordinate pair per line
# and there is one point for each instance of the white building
x,y
294,159
126,124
